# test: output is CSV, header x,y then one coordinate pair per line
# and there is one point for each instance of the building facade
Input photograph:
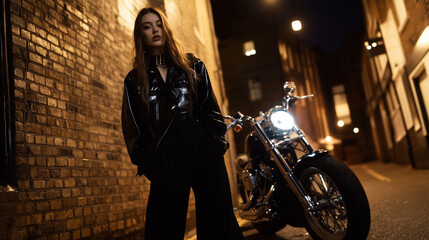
x,y
350,128
65,169
395,69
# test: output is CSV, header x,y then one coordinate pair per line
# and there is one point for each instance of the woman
x,y
174,133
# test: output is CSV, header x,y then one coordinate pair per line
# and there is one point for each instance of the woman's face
x,y
153,34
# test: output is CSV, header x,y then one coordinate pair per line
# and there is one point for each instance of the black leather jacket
x,y
143,130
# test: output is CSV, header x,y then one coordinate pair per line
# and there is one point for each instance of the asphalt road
x,y
399,201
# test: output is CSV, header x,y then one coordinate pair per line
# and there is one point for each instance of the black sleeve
x,y
208,109
134,127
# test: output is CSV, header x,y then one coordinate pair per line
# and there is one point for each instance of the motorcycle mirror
x,y
238,115
289,87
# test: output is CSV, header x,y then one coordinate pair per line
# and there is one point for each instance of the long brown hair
x,y
172,49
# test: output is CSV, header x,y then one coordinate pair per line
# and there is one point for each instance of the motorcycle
x,y
283,180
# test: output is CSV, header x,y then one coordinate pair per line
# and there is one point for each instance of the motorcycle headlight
x,y
282,120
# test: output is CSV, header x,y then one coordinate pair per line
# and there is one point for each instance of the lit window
x,y
342,109
249,48
283,50
255,90
291,63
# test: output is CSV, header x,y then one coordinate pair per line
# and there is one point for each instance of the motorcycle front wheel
x,y
342,209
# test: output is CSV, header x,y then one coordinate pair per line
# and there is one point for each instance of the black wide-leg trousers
x,y
190,158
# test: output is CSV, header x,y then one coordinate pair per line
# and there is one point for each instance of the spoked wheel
x,y
331,220
341,206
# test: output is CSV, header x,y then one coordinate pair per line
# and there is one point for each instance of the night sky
x,y
324,22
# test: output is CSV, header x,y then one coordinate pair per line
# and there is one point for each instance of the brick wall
x,y
74,176
418,13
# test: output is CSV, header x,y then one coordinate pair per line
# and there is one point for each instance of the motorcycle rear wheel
x,y
345,210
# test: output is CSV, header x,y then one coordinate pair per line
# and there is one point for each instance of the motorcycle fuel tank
x,y
255,149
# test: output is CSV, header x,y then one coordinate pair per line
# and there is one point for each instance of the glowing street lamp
x,y
355,130
296,25
340,123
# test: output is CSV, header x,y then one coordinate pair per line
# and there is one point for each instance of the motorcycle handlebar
x,y
289,101
237,119
305,96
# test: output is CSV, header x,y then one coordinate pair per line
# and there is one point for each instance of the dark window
x,y
255,89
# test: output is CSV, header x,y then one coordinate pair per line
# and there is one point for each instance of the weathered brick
x,y
52,194
59,183
22,196
69,182
40,139
60,215
42,206
39,79
64,173
23,185
87,211
56,204
39,40
58,67
36,68
39,184
19,41
69,203
41,50
34,87
19,73
17,20
36,58
77,212
121,224
36,150
76,234
34,172
49,216
30,207
29,138
18,94
64,236
41,161
53,39
66,193
34,219
71,143
52,102
44,173
47,227
60,226
86,232
73,224
70,213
